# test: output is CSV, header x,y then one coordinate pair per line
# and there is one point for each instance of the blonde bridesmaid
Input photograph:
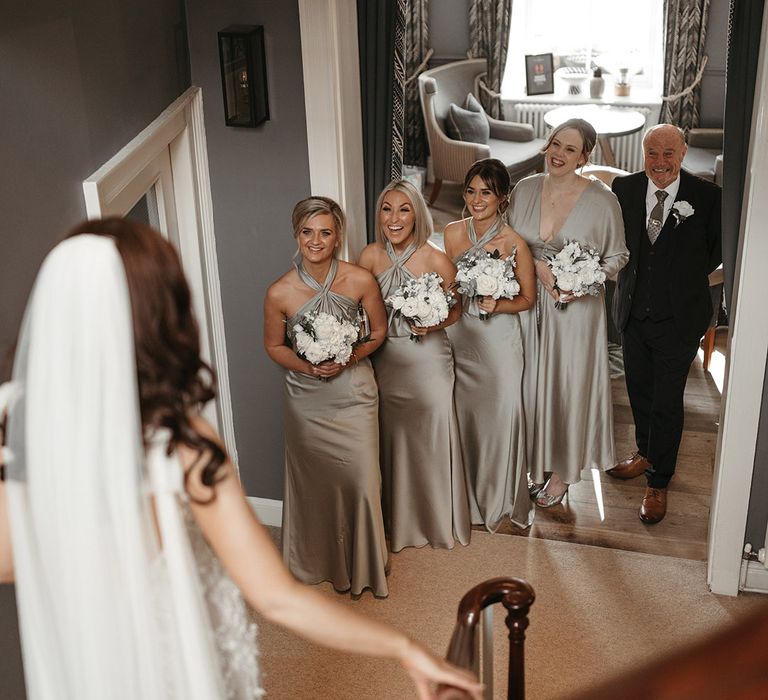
x,y
424,492
332,522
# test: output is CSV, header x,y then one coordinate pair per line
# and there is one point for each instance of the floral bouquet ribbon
x,y
421,301
577,272
483,274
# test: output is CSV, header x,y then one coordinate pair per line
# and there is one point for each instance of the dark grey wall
x,y
78,80
257,175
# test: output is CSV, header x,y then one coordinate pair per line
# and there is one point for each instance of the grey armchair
x,y
705,154
512,143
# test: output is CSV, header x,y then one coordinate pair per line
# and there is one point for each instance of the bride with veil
x,y
133,546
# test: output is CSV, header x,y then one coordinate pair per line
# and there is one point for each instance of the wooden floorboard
x,y
603,512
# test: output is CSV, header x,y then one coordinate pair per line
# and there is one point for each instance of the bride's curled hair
x,y
174,382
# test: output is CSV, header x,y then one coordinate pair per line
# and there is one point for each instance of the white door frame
x,y
746,360
117,185
331,68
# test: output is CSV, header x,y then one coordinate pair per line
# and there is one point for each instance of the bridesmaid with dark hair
x,y
424,491
488,356
332,522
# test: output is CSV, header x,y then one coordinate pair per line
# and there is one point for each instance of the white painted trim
x,y
207,240
268,511
332,102
745,369
178,133
756,579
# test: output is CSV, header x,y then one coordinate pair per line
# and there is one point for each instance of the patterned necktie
x,y
656,219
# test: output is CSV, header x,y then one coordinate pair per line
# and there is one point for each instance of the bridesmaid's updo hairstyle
x,y
312,206
422,224
586,131
495,176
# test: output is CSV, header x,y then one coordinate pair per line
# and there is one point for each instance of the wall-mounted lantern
x,y
243,75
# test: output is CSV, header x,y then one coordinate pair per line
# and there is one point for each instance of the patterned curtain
x,y
685,29
398,91
416,23
489,22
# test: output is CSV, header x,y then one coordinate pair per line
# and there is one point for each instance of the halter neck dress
x,y
567,386
488,360
424,491
332,522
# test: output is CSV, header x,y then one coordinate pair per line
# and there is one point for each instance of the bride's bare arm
x,y
6,552
249,556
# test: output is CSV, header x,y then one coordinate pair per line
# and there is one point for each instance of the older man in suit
x,y
662,304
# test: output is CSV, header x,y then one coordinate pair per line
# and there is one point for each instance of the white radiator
x,y
627,149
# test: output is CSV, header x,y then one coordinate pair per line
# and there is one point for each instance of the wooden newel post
x,y
518,605
517,596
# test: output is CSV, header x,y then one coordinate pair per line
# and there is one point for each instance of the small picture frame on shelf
x,y
539,74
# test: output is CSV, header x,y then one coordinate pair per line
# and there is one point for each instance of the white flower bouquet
x,y
484,274
577,271
421,301
321,336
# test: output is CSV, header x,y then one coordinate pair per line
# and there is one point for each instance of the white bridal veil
x,y
104,610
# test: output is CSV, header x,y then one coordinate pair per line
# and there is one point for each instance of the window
x,y
584,34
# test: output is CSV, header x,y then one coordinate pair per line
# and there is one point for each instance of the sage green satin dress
x,y
488,361
424,491
332,522
567,386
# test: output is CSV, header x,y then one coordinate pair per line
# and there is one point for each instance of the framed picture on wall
x,y
539,79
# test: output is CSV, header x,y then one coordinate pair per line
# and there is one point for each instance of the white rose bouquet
x,y
484,274
577,271
421,301
321,336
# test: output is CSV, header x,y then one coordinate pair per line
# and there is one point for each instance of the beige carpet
x,y
598,612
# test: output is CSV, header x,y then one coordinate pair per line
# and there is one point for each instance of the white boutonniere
x,y
681,211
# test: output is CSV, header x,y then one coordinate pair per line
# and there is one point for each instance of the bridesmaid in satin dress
x,y
567,386
488,356
332,520
424,492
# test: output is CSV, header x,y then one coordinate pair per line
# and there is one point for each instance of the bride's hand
x,y
428,671
419,330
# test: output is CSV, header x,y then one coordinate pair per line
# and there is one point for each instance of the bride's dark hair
x,y
173,380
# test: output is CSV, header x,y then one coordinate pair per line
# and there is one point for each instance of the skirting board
x,y
268,510
756,580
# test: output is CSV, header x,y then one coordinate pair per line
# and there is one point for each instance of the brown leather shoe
x,y
630,468
654,506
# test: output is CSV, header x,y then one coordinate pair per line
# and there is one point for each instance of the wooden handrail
x,y
516,596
